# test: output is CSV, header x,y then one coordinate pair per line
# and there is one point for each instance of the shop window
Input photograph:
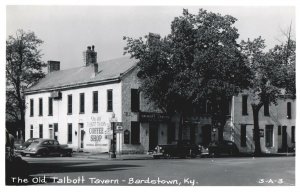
x,y
70,104
109,100
171,132
41,130
40,107
135,132
31,131
95,102
266,109
244,105
31,107
126,136
269,135
289,110
50,106
70,128
293,134
81,103
243,135
135,100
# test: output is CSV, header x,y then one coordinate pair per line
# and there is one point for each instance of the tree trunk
x,y
255,110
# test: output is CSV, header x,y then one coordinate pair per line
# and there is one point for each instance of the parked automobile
x,y
20,148
221,148
46,147
181,149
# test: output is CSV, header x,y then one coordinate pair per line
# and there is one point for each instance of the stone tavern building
x,y
77,107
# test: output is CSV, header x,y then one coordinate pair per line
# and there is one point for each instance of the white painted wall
x,y
89,119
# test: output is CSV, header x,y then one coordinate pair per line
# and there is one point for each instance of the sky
x,y
68,30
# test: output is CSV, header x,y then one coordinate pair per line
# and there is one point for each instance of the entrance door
x,y
80,136
55,131
284,139
192,133
153,135
206,135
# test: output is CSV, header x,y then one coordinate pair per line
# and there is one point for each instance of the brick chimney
x,y
53,66
90,56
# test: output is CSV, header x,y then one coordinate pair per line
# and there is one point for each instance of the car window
x,y
50,142
37,141
56,143
45,143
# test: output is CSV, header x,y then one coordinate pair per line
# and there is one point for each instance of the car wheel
x,y
44,153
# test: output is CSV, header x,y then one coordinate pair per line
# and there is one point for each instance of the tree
x,y
273,75
23,69
199,60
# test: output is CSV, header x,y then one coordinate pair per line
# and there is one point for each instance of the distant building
x,y
77,107
276,123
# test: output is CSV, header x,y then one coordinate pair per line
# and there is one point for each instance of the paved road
x,y
203,172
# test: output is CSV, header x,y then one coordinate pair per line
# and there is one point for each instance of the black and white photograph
x,y
149,95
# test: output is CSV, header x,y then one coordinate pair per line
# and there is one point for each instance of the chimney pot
x,y
89,47
93,47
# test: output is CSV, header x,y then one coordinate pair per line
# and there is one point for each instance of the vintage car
x,y
20,148
46,147
181,149
223,148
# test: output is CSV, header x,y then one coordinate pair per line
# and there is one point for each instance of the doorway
x,y
192,133
284,139
81,134
153,135
206,135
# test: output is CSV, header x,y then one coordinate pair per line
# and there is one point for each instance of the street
x,y
188,172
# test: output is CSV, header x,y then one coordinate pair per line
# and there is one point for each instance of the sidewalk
x,y
106,156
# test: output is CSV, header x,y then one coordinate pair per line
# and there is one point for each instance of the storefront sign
x,y
153,117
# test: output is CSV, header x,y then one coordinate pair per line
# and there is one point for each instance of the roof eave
x,y
106,81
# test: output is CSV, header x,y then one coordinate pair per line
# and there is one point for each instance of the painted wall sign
x,y
96,132
153,117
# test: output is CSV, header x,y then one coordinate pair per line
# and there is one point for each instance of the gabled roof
x,y
107,70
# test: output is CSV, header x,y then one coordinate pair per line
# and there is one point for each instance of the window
x,y
40,107
266,109
289,110
69,133
293,134
50,106
171,132
31,107
109,100
135,100
135,133
279,130
55,131
244,105
243,135
81,107
69,104
31,131
95,102
41,131
269,135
